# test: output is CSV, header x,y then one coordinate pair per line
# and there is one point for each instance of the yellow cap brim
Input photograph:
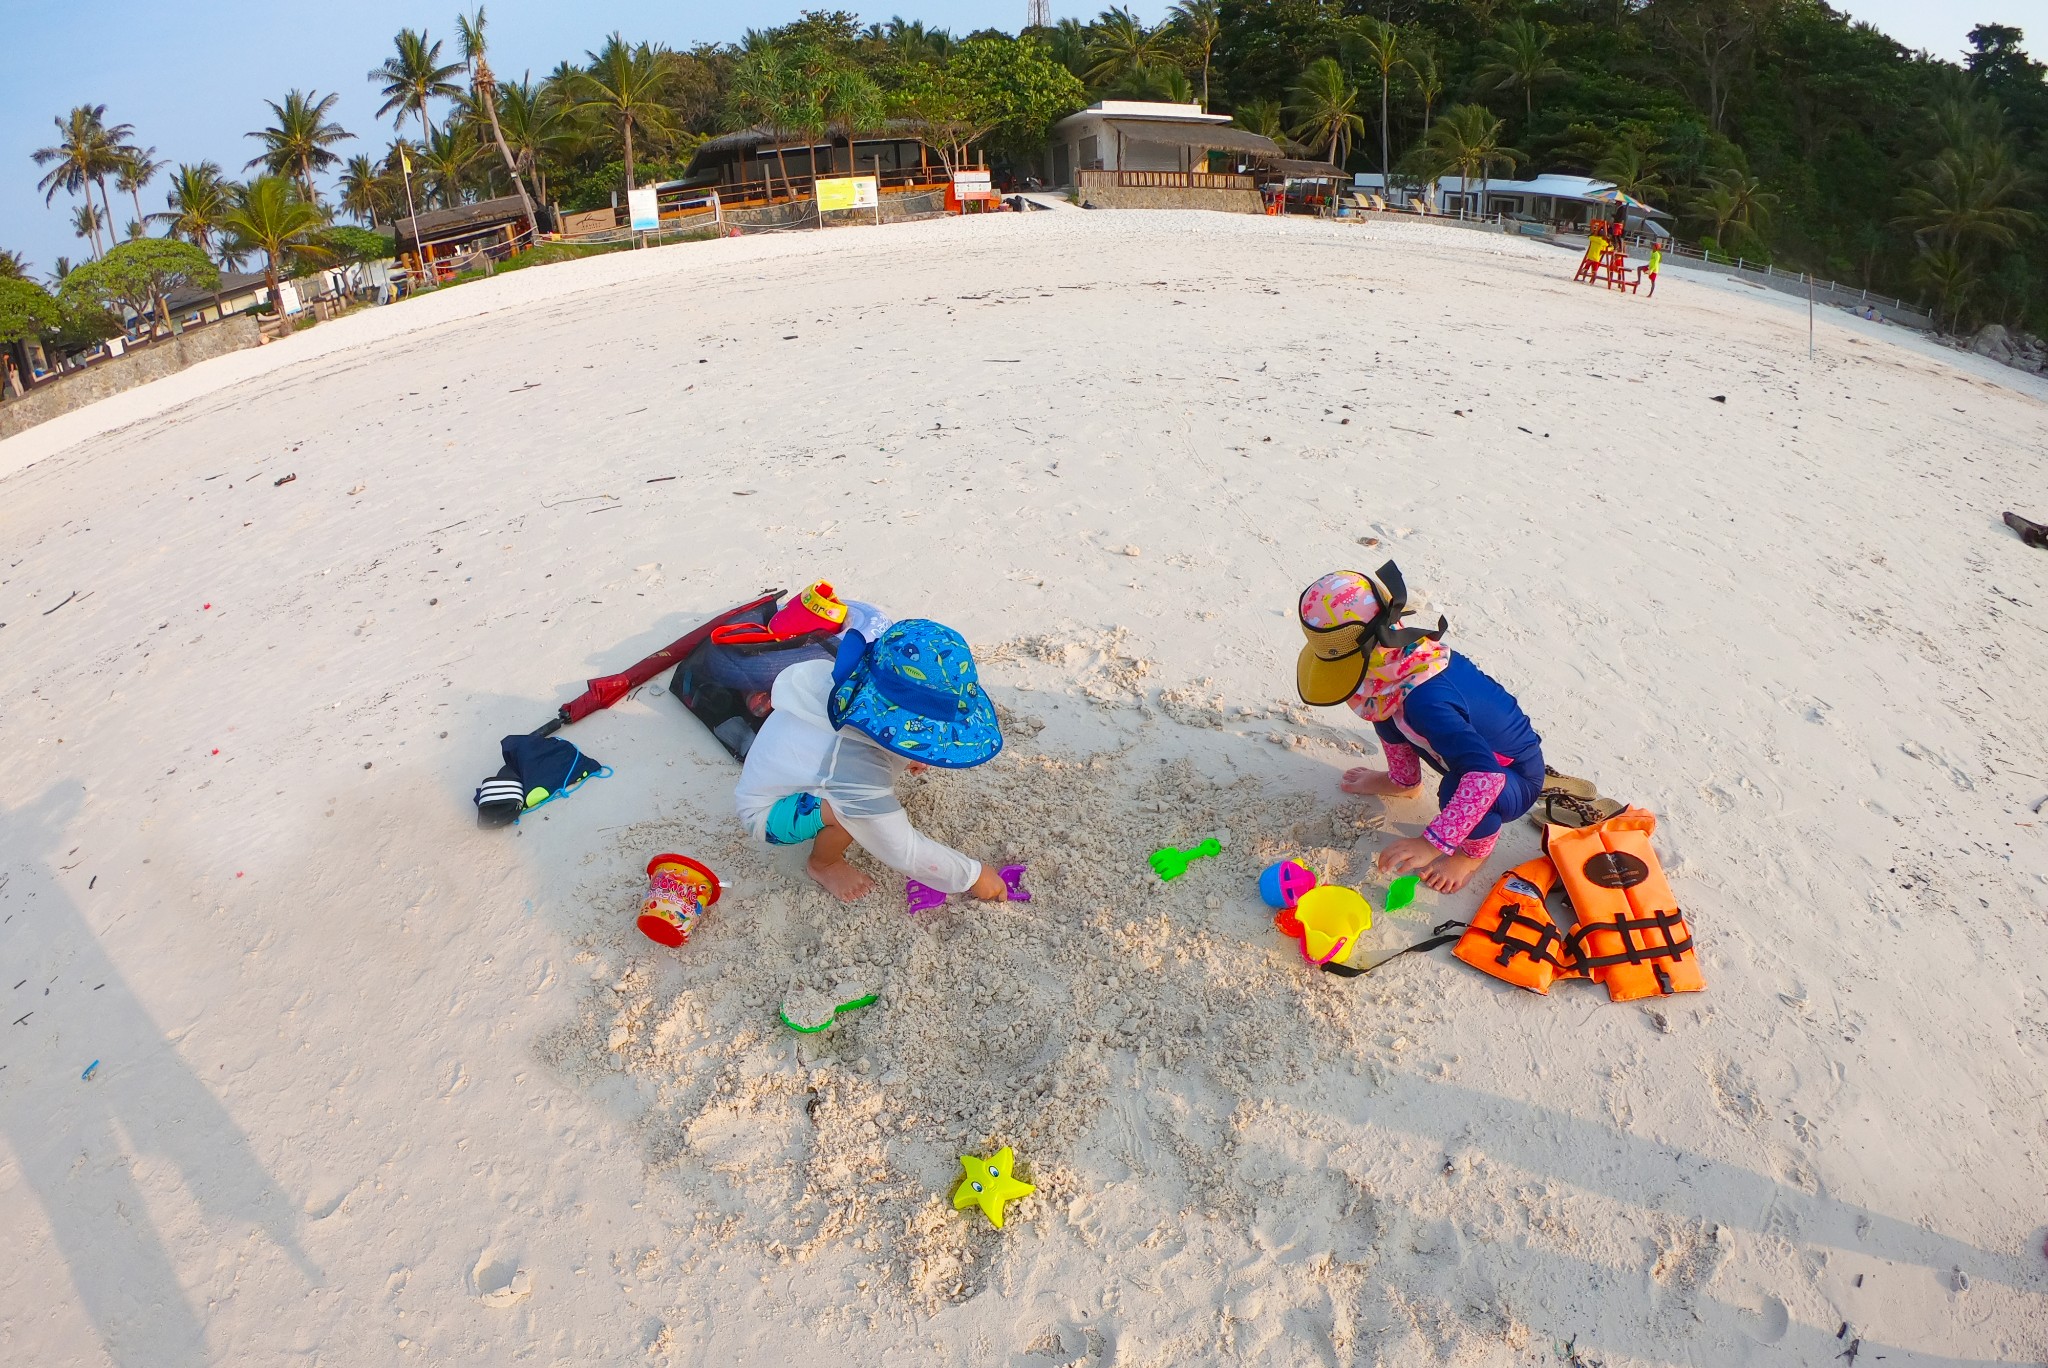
x,y
1326,683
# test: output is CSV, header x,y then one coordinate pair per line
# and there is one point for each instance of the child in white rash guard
x,y
825,764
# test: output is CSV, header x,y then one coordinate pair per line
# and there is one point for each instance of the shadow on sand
x,y
78,1142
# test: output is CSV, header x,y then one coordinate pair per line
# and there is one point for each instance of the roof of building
x,y
1310,170
1553,184
1146,109
892,130
436,223
232,283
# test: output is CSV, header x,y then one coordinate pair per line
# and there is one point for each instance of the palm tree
x,y
1068,42
270,216
1521,60
296,143
623,86
912,41
1631,168
1264,118
1965,196
1734,198
198,204
86,152
1467,139
86,222
1326,109
413,76
534,128
1380,46
365,190
138,168
1200,23
1120,44
60,268
483,92
446,162
1429,82
1952,276
12,265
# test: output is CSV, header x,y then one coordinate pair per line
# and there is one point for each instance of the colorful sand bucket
x,y
678,891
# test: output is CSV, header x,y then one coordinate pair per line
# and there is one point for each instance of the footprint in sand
x,y
499,1281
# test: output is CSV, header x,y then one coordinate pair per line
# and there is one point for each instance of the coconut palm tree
x,y
1264,118
61,267
1952,275
534,127
1067,42
1378,45
1521,61
1735,199
366,193
446,162
1429,81
1964,197
1121,44
1631,168
12,265
138,168
1200,24
296,143
913,42
413,75
199,197
86,222
483,93
623,86
86,152
1467,139
1325,106
270,216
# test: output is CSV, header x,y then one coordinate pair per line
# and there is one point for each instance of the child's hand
x,y
989,887
1408,853
916,767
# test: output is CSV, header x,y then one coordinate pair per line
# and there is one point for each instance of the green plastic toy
x,y
808,1013
1170,864
1401,892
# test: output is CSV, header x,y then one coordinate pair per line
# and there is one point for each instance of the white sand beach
x,y
375,1086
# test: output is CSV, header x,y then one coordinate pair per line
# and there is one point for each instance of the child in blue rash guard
x,y
825,764
1427,705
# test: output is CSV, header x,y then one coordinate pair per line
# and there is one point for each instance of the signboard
x,y
642,207
971,183
847,192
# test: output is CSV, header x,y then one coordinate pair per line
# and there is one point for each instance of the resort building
x,y
1561,201
440,238
1152,137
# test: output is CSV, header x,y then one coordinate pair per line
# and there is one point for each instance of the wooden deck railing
x,y
1162,180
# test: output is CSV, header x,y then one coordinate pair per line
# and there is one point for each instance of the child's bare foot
x,y
840,879
1375,783
1449,873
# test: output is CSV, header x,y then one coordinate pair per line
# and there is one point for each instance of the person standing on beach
x,y
1428,705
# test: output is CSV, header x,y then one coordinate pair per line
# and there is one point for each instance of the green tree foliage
x,y
270,216
623,87
27,310
137,275
87,151
296,141
1018,90
413,76
1467,141
346,244
1325,108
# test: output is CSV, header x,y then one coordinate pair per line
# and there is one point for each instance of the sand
x,y
377,1087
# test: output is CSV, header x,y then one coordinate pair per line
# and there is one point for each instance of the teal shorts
x,y
795,818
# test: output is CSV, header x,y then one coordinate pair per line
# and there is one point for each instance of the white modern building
x,y
1150,135
1560,200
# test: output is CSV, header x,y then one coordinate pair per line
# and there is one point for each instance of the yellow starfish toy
x,y
987,1183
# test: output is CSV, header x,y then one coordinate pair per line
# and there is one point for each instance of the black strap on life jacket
x,y
1444,934
1547,935
1631,952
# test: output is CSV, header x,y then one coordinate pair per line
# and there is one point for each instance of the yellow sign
x,y
847,192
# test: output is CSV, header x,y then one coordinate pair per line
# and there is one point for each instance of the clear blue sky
x,y
192,78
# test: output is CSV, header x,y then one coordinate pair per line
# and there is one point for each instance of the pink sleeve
x,y
1473,799
1404,767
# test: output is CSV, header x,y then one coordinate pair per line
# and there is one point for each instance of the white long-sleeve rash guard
x,y
799,752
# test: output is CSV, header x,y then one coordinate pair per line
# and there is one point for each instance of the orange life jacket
x,y
1630,934
1512,936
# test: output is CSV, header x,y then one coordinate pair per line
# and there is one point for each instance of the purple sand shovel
x,y
918,897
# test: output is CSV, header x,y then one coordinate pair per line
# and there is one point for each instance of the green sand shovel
x,y
809,1012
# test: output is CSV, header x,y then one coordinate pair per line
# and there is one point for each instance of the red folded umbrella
x,y
601,693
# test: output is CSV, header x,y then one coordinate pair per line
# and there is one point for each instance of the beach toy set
x,y
1325,919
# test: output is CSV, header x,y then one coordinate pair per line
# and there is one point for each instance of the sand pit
x,y
377,1087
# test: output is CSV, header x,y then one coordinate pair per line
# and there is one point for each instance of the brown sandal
x,y
1569,810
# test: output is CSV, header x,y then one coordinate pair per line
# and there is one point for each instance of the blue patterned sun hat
x,y
915,692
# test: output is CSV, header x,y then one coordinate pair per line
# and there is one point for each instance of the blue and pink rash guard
x,y
1471,731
